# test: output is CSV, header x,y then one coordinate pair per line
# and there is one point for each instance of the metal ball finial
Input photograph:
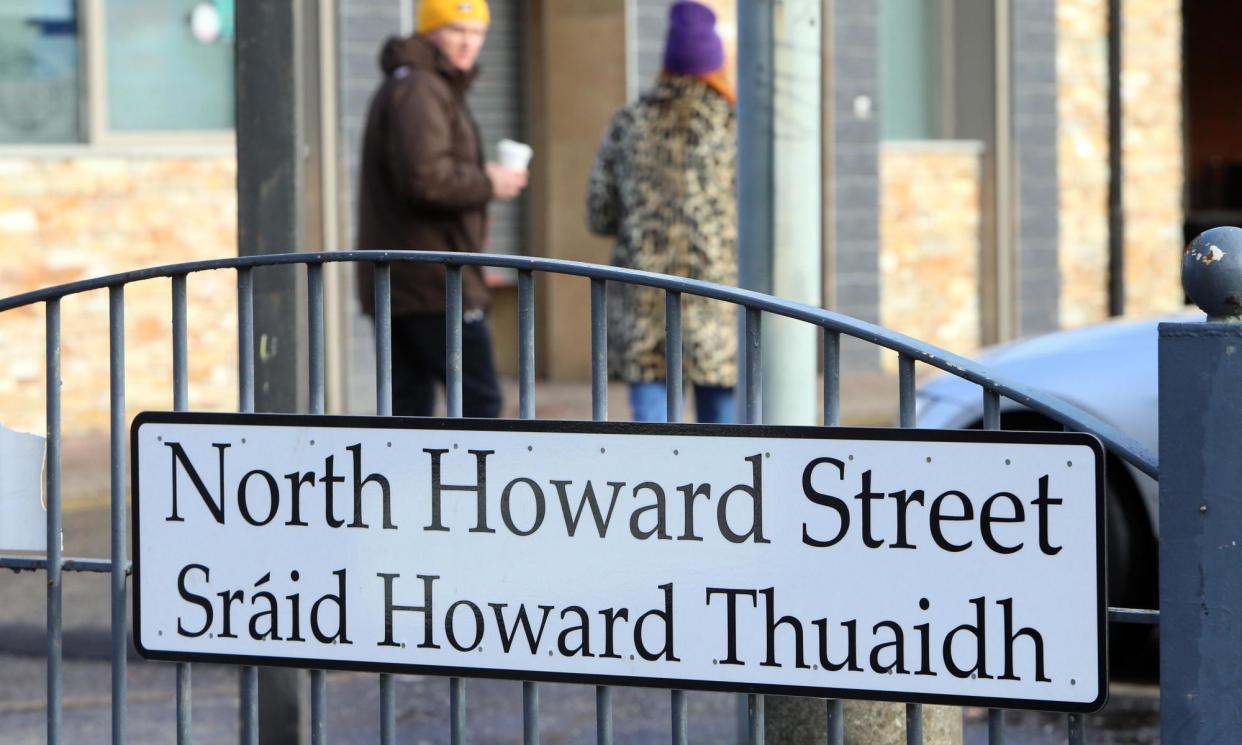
x,y
1212,273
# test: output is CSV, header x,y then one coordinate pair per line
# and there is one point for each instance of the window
x,y
910,69
158,67
169,67
39,71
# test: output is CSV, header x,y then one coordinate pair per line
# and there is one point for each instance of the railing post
x,y
1200,509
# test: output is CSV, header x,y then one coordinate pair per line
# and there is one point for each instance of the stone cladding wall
x,y
66,218
1152,156
930,243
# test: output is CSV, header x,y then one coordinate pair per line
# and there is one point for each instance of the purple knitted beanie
x,y
692,47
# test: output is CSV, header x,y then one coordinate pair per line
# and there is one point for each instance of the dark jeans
x,y
419,362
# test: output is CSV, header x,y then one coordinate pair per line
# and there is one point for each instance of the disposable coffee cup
x,y
512,154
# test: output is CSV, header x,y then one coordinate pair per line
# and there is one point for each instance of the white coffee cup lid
x,y
514,154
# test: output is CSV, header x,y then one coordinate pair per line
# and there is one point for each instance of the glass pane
x,y
909,69
169,64
38,71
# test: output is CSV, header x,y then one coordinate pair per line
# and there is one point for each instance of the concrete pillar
x,y
790,354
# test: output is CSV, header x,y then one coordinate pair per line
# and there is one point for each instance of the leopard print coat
x,y
663,184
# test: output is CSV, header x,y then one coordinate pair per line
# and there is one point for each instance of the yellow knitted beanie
x,y
432,14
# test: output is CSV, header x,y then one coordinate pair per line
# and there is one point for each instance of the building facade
x,y
965,163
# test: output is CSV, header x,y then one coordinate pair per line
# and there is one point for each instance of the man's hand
x,y
507,183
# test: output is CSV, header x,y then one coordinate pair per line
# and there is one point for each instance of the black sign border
x,y
637,428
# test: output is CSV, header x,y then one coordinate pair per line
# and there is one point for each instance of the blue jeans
x,y
713,404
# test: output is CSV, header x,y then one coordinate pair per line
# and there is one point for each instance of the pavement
x,y
567,712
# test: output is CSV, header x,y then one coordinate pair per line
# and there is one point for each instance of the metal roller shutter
x,y
649,23
496,100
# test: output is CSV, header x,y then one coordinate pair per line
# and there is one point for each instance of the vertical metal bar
x,y
672,356
991,421
245,339
314,332
905,386
383,407
832,378
316,379
526,406
1116,174
452,319
599,412
457,711
116,377
603,715
318,707
836,722
754,364
249,675
996,727
991,409
752,356
678,700
388,710
249,705
54,633
906,414
599,350
905,389
526,344
914,724
383,340
905,394
754,707
181,375
452,301
530,713
181,395
184,731
1077,729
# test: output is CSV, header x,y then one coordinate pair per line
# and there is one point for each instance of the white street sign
x,y
933,566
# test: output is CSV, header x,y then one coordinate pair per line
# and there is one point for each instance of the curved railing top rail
x,y
1071,416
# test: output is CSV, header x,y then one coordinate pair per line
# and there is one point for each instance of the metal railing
x,y
833,325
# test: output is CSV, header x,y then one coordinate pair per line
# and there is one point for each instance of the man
x,y
424,186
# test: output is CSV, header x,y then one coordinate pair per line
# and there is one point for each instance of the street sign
x,y
912,565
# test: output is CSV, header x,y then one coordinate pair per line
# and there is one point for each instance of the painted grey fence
x,y
753,305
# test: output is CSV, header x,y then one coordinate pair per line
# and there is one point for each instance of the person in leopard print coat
x,y
663,185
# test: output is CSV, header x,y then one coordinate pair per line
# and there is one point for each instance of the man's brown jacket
x,y
422,182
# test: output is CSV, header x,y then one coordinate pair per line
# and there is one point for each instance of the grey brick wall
x,y
1034,93
854,177
646,41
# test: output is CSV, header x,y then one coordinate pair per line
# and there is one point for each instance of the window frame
x,y
94,57
94,134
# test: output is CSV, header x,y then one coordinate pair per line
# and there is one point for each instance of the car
x,y
1110,371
